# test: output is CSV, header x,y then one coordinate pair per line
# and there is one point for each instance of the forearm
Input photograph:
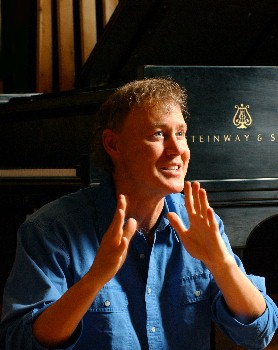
x,y
58,322
243,299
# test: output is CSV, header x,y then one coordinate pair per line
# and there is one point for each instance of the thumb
x,y
129,229
176,222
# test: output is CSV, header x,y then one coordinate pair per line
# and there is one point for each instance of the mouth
x,y
171,167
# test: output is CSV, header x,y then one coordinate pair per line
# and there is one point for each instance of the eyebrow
x,y
162,125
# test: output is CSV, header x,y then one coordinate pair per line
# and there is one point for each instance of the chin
x,y
178,189
175,187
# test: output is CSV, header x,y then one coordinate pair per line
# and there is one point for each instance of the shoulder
x,y
62,226
62,219
65,206
74,212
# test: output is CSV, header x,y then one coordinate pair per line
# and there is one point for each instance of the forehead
x,y
155,115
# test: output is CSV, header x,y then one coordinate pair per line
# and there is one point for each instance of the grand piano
x,y
224,53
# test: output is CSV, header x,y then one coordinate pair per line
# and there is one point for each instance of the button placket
x,y
154,324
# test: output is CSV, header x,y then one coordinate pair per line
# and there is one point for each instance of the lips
x,y
174,167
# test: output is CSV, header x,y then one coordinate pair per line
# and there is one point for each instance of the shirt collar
x,y
165,211
106,204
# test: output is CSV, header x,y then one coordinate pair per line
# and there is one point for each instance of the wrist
x,y
222,266
92,283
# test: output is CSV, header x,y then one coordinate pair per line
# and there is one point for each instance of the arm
x,y
203,241
58,322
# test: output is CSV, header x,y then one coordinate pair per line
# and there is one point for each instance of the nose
x,y
175,146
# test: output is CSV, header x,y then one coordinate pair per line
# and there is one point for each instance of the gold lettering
x,y
230,138
227,138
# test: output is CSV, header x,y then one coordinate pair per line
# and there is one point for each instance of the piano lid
x,y
178,32
232,132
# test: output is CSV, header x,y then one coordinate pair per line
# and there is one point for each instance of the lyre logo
x,y
242,119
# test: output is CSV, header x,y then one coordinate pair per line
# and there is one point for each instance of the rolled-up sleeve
x,y
255,335
36,281
259,332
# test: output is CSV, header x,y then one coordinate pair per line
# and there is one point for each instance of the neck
x,y
146,216
145,213
145,208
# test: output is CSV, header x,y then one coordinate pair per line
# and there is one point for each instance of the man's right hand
x,y
114,245
57,323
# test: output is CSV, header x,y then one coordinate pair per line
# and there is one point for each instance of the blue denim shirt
x,y
161,298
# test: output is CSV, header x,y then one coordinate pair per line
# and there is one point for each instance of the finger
x,y
196,196
211,219
121,204
116,228
204,204
188,199
129,229
128,232
176,222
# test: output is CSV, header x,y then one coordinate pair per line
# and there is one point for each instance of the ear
x,y
110,142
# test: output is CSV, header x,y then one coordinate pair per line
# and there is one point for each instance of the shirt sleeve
x,y
255,335
39,277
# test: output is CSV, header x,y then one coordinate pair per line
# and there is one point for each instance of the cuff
x,y
254,335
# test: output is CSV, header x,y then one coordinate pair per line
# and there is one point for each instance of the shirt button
x,y
153,329
197,293
149,290
142,256
107,303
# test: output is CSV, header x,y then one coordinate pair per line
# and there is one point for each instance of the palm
x,y
202,239
113,248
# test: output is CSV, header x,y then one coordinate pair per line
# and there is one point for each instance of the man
x,y
132,263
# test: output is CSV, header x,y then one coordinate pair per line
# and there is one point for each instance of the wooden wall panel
x,y
67,35
65,32
108,8
44,47
88,27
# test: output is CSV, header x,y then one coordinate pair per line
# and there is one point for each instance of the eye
x,y
159,134
180,134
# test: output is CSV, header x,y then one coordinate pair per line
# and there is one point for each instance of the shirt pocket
x,y
107,323
189,305
109,300
193,289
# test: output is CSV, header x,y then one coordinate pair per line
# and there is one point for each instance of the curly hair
x,y
143,93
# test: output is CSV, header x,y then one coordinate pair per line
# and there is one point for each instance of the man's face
x,y
153,151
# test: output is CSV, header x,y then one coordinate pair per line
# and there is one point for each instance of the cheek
x,y
139,157
186,152
153,151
